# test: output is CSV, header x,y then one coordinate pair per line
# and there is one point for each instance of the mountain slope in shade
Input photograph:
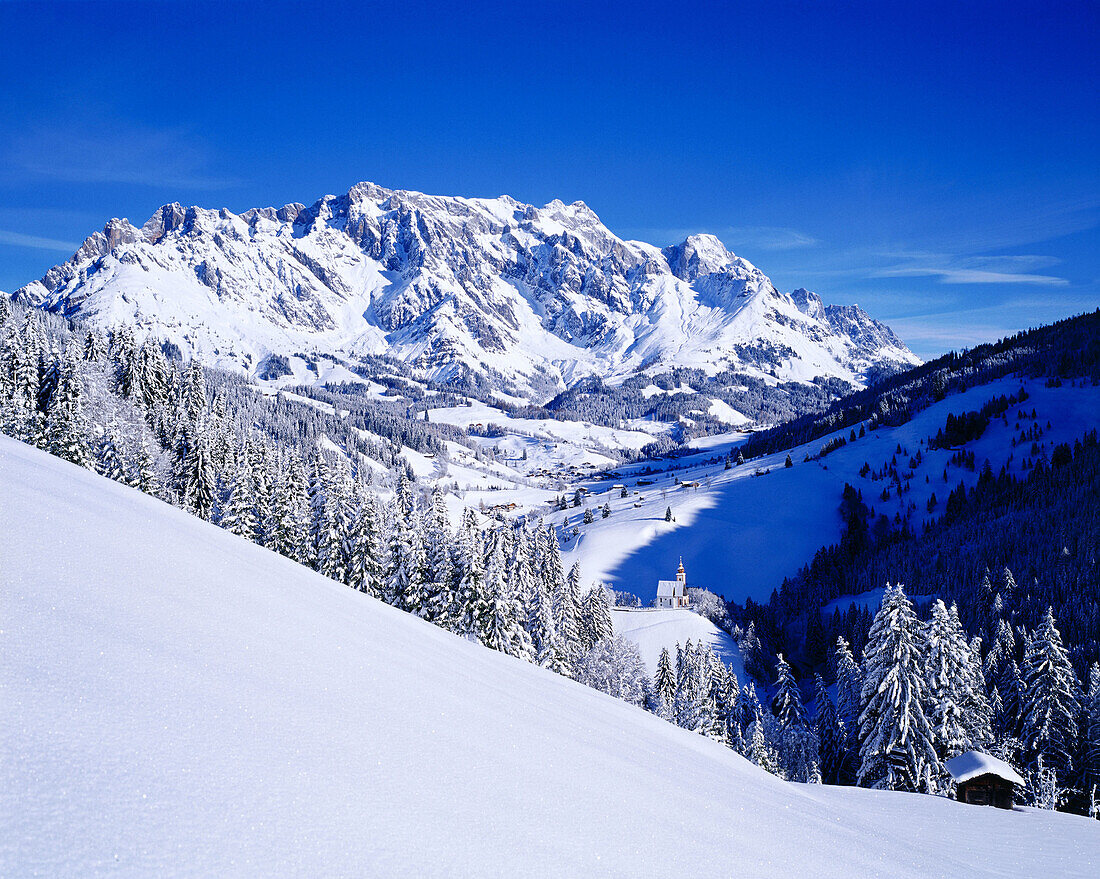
x,y
531,299
179,702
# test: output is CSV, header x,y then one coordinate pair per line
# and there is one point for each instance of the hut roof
x,y
971,764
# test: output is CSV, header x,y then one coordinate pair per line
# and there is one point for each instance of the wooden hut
x,y
983,780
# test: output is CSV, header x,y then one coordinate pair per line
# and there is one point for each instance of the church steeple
x,y
681,577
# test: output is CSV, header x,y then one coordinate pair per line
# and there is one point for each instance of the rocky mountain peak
x,y
529,299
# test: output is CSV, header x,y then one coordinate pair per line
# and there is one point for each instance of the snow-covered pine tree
x,y
94,348
123,351
66,429
366,571
597,615
239,511
799,747
442,605
148,480
108,460
199,484
405,565
977,712
1002,650
849,688
946,681
896,749
715,709
470,572
154,375
561,596
502,623
317,473
1091,727
787,701
1052,699
194,390
287,529
761,751
690,688
664,686
732,707
403,495
540,627
332,535
831,737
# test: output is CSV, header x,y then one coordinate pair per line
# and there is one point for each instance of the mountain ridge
x,y
529,299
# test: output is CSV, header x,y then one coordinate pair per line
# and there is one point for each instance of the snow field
x,y
179,702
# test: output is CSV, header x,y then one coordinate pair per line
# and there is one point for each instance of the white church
x,y
673,593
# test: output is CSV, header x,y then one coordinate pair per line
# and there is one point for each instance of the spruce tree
x,y
831,737
147,479
366,572
1091,726
239,512
849,687
664,685
439,568
199,483
946,680
194,391
470,571
502,627
66,428
1051,700
799,745
787,701
108,460
405,565
896,748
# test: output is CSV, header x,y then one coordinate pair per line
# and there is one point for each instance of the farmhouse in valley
x,y
673,593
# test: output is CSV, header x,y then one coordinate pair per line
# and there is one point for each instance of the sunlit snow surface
x,y
177,702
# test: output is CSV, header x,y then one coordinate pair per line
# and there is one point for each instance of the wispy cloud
x,y
36,242
768,238
977,269
120,152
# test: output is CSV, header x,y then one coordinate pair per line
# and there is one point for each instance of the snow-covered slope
x,y
654,629
178,702
531,298
740,534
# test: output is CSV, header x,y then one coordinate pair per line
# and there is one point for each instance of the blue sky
x,y
935,162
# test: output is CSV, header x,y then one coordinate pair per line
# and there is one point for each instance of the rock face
x,y
529,299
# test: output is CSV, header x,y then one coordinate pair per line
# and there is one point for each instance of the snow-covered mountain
x,y
531,299
179,702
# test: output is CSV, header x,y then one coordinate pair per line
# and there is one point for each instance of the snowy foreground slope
x,y
180,702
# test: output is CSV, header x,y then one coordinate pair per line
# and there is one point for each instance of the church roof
x,y
669,588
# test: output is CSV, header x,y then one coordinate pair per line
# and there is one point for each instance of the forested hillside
x,y
1005,573
1067,348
